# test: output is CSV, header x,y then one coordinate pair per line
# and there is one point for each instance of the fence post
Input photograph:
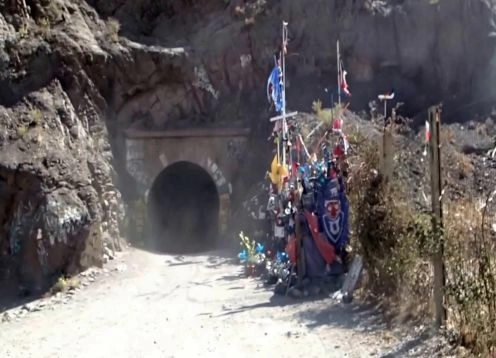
x,y
387,152
437,215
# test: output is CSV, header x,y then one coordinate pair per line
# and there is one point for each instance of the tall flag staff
x,y
339,72
276,93
283,62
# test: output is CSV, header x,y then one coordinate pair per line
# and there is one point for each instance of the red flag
x,y
427,137
427,132
342,80
294,169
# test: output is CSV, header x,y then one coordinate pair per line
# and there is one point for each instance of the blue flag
x,y
274,89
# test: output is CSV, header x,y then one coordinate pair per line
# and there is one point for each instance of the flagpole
x,y
339,72
284,134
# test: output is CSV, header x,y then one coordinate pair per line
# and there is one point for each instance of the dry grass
x,y
35,116
324,114
463,165
397,243
64,284
22,131
471,273
113,28
446,135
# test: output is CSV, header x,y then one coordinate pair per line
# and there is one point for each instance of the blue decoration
x,y
281,257
333,213
243,256
259,248
275,88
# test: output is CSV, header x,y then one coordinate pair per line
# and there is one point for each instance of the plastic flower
x,y
243,256
259,248
281,257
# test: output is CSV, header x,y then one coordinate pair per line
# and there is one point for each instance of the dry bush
x,y
390,234
446,135
397,243
463,165
324,114
471,273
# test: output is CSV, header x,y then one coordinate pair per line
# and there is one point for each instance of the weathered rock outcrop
x,y
427,50
75,74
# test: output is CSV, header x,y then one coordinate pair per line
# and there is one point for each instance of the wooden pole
x,y
437,217
387,152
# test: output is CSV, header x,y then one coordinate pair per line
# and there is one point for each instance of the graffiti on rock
x,y
63,221
135,158
202,81
47,224
16,228
245,60
41,251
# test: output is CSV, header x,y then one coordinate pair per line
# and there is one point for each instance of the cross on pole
x,y
283,118
288,115
385,98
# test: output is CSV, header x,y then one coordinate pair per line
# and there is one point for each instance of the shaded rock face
x,y
427,51
72,79
56,189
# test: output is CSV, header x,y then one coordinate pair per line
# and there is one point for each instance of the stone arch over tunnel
x,y
183,209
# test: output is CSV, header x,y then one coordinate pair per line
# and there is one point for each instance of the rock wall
x,y
59,205
75,74
427,50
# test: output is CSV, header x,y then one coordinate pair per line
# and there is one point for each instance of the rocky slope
x,y
75,74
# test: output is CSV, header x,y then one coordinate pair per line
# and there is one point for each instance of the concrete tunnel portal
x,y
183,209
184,202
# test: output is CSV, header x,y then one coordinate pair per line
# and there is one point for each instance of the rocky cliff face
x,y
427,50
75,74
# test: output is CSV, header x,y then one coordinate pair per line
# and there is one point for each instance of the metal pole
x,y
339,72
385,153
284,134
437,217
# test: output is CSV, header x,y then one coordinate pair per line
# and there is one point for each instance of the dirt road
x,y
194,306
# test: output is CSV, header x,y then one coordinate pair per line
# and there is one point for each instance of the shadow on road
x,y
405,349
14,296
359,317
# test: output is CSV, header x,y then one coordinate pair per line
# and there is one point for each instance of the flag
x,y
427,132
274,88
427,137
337,125
342,79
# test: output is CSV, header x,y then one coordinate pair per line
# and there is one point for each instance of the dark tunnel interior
x,y
183,210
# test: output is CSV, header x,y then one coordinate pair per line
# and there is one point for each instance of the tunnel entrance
x,y
183,209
